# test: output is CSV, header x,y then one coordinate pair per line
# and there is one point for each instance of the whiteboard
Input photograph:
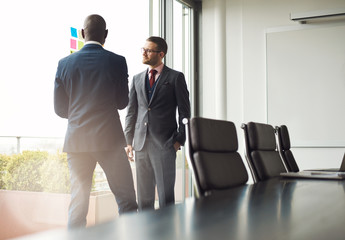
x,y
306,84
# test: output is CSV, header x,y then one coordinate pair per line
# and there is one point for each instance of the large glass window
x,y
182,51
155,17
35,35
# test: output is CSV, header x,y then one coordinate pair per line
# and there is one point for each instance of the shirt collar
x,y
159,69
93,42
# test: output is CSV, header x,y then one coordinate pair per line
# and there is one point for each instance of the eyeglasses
x,y
145,50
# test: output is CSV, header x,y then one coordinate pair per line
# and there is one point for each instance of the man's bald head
x,y
95,29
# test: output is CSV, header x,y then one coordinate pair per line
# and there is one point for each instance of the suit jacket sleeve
x,y
61,100
132,112
122,88
183,106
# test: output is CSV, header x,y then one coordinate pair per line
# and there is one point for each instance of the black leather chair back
x,y
261,151
212,155
284,147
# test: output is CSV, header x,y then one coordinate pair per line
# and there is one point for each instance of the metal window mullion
x,y
167,28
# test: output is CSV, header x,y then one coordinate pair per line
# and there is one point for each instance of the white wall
x,y
246,23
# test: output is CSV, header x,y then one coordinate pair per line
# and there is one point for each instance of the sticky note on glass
x,y
80,36
73,44
80,44
74,32
76,41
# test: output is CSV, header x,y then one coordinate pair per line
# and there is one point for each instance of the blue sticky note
x,y
74,32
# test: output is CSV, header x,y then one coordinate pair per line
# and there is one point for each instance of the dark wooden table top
x,y
279,208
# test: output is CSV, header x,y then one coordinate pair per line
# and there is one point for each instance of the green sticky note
x,y
80,44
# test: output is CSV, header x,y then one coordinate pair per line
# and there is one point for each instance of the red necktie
x,y
152,77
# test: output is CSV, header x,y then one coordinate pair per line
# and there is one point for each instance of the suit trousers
x,y
119,175
155,166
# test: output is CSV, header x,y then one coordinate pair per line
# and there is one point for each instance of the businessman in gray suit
x,y
90,86
152,130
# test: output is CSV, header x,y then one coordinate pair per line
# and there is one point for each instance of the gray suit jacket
x,y
157,116
90,85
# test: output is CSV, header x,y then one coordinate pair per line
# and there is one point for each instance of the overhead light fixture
x,y
305,16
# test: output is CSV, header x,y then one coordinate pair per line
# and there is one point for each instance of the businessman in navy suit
x,y
152,130
90,86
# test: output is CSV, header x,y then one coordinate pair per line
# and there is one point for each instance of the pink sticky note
x,y
73,44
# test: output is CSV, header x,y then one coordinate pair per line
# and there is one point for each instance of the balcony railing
x,y
16,144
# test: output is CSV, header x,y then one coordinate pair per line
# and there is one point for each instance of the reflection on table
x,y
274,209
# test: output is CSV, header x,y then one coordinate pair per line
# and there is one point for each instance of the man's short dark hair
x,y
161,43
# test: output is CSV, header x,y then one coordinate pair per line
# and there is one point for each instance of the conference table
x,y
279,208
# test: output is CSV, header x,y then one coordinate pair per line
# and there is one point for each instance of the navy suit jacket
x,y
90,86
157,115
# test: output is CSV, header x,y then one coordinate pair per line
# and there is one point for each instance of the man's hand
x,y
129,152
177,146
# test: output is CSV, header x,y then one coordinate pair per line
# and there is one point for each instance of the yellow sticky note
x,y
80,44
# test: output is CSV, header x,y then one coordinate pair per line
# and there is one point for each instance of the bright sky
x,y
35,34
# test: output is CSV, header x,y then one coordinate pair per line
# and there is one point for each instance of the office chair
x,y
284,146
211,147
261,151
